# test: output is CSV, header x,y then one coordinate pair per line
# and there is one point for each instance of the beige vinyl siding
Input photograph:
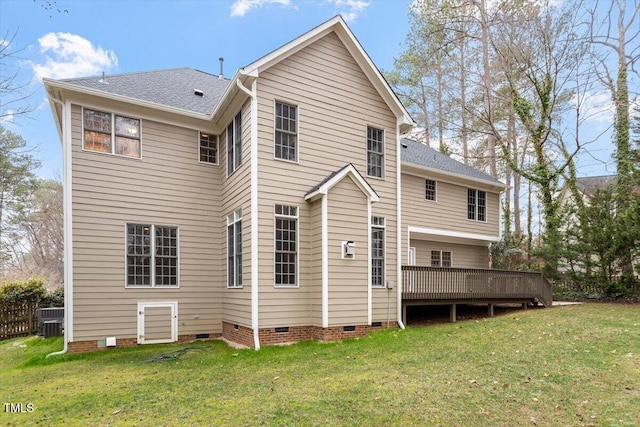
x,y
157,323
315,261
462,256
167,186
236,194
348,278
336,102
449,212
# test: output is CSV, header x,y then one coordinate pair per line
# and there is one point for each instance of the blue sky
x,y
89,37
125,36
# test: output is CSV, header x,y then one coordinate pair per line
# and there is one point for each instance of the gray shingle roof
x,y
421,155
173,87
589,184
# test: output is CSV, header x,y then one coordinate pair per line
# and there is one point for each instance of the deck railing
x,y
441,283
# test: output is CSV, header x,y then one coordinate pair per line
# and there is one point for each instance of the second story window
x,y
375,152
234,144
430,190
476,205
208,148
110,133
286,143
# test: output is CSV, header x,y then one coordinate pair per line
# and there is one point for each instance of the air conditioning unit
x,y
52,328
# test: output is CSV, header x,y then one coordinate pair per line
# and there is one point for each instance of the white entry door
x,y
157,322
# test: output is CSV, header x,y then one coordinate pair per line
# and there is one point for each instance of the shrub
x,y
27,291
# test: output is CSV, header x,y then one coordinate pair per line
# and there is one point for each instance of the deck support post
x,y
452,313
490,310
404,314
524,305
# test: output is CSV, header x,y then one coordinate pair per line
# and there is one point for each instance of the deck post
x,y
452,313
404,313
524,305
490,310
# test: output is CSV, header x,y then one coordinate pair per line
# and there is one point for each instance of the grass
x,y
566,366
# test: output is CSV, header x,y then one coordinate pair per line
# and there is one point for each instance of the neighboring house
x,y
275,206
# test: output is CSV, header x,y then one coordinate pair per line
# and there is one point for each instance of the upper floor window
x,y
430,190
286,143
441,259
377,250
152,255
234,249
110,133
476,205
234,144
208,148
375,152
286,245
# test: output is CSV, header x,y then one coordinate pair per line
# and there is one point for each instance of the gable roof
x,y
588,185
173,87
338,26
417,154
335,177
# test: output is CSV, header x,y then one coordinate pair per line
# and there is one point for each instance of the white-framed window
x,y
208,148
441,259
286,135
234,249
152,255
378,227
375,152
430,189
286,245
110,133
476,205
234,144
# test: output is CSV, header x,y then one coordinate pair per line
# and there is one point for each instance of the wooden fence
x,y
18,319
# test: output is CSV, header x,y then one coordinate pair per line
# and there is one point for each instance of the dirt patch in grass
x,y
436,314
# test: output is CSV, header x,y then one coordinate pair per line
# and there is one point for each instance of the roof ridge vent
x,y
198,92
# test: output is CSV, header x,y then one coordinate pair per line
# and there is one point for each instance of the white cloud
x,y
72,56
241,7
7,116
350,9
4,43
595,107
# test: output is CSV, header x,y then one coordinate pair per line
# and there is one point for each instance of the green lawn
x,y
565,366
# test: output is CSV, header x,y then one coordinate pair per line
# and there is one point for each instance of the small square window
x,y
208,148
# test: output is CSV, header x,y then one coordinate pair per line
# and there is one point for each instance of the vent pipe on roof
x,y
103,80
221,75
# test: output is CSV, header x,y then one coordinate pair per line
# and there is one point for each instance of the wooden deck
x,y
451,286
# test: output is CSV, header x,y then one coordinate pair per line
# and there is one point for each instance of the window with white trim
x,y
208,148
375,152
234,144
476,205
286,137
441,259
152,255
286,245
234,249
110,133
378,226
430,190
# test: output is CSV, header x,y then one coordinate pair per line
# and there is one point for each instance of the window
x,y
234,249
286,132
110,133
152,255
476,205
375,152
441,259
286,245
208,148
430,189
377,251
234,144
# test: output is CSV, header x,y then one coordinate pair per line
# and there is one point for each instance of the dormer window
x,y
110,133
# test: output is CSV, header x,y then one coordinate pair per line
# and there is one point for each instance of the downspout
x,y
65,133
399,223
254,208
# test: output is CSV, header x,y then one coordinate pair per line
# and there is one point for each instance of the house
x,y
275,206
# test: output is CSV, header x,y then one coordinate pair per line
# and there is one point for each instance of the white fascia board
x,y
489,184
450,233
121,98
351,171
